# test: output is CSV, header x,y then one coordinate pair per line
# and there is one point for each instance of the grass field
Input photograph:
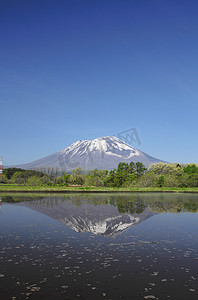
x,y
64,189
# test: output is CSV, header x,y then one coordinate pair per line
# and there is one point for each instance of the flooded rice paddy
x,y
129,246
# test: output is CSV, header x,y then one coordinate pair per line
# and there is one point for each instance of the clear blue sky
x,y
79,69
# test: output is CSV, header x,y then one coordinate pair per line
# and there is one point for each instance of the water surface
x,y
129,246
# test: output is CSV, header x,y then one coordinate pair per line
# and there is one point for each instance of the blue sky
x,y
78,69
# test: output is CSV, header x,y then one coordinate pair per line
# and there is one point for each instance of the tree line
x,y
130,203
126,175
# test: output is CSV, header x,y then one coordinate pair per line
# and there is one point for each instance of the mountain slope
x,y
103,153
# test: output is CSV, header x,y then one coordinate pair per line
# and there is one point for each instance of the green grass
x,y
64,189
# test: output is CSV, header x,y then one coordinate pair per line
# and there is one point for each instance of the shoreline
x,y
95,190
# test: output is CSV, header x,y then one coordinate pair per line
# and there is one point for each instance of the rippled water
x,y
129,246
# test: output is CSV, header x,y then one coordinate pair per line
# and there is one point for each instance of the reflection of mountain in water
x,y
99,219
105,214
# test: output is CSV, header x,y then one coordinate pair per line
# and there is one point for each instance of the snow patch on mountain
x,y
108,145
108,226
103,153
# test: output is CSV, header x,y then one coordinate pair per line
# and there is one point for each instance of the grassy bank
x,y
8,188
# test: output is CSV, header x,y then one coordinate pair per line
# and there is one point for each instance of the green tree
x,y
19,178
139,169
33,181
110,178
149,179
77,177
160,181
77,171
121,175
132,168
3,179
165,168
191,169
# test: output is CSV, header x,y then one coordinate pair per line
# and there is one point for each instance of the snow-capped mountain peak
x,y
109,145
103,153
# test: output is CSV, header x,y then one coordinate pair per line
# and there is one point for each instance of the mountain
x,y
104,153
104,220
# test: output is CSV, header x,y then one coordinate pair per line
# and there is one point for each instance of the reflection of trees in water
x,y
191,205
125,203
174,206
8,199
130,205
19,198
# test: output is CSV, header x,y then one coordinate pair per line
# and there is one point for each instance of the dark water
x,y
130,246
